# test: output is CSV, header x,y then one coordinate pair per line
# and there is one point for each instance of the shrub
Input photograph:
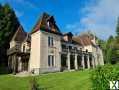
x,y
4,70
103,74
33,84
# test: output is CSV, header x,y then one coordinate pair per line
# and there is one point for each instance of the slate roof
x,y
83,40
42,24
19,35
68,34
27,38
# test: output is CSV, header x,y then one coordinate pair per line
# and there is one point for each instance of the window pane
x,y
24,48
48,60
52,60
52,41
48,41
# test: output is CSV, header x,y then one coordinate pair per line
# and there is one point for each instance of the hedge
x,y
103,74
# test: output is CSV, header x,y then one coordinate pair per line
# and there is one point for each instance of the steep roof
x,y
83,40
19,35
27,38
68,34
42,24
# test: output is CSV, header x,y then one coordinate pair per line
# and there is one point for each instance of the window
x,y
50,41
50,60
48,23
24,48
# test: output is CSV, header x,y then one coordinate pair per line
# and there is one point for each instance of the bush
x,y
103,74
33,84
4,70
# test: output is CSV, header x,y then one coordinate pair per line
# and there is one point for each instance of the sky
x,y
77,16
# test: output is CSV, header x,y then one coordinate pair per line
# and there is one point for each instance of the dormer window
x,y
48,23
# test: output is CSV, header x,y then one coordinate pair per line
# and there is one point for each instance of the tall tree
x,y
8,25
117,28
117,41
110,53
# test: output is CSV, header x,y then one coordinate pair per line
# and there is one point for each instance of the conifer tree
x,y
8,25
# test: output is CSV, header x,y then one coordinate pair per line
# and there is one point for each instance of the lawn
x,y
76,80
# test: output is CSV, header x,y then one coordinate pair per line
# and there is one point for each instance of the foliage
x,y
110,47
8,25
4,70
33,84
103,74
117,28
109,50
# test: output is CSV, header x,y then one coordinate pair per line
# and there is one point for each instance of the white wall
x,y
40,51
88,47
46,50
12,44
34,62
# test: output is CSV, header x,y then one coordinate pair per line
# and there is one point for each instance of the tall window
x,y
50,41
23,48
50,60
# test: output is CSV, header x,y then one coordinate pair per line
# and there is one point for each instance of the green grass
x,y
76,80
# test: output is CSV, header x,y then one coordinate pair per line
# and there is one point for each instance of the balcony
x,y
65,50
72,50
15,49
27,51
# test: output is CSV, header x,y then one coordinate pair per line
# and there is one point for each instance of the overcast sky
x,y
98,16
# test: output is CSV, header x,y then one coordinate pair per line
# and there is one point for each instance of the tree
x,y
110,53
117,28
8,25
108,48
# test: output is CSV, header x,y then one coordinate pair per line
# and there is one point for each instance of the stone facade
x,y
52,51
19,51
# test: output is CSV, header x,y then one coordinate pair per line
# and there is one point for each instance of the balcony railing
x,y
72,50
78,51
16,49
69,50
65,50
27,50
